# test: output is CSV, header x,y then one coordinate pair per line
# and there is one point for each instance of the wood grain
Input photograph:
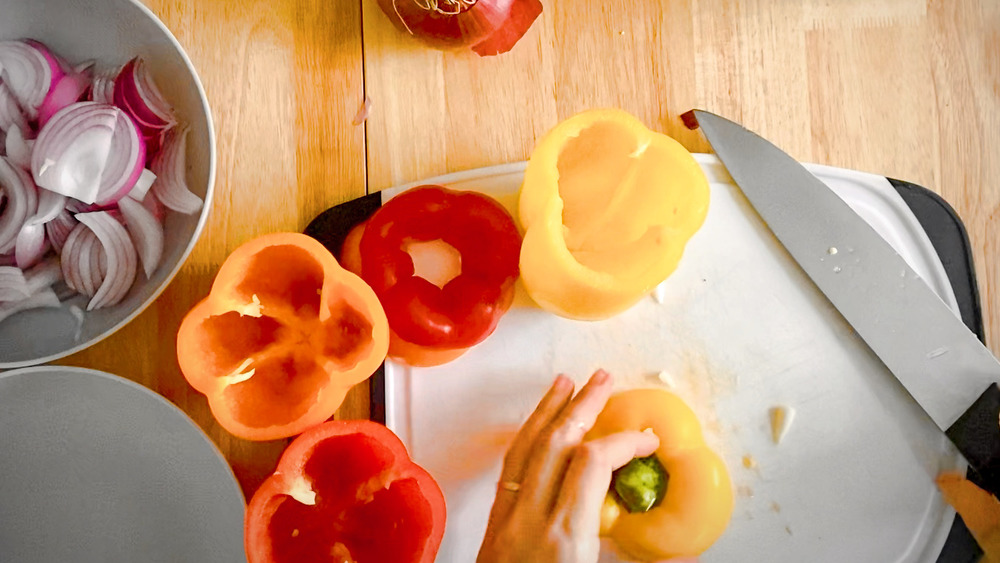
x,y
284,80
906,88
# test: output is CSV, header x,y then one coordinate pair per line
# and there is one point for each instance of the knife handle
x,y
977,435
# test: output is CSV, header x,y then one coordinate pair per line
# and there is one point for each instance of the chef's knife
x,y
939,361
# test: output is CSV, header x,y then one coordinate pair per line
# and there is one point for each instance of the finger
x,y
588,478
554,401
551,455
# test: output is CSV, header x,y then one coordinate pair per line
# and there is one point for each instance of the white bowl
x,y
112,32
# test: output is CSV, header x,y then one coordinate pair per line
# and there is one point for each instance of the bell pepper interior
x,y
346,335
284,274
362,511
231,338
591,168
281,390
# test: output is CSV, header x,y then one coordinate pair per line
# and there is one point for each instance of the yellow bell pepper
x,y
699,497
607,206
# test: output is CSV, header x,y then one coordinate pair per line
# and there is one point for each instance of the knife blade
x,y
941,363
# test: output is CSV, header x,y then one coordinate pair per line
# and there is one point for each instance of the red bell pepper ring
x,y
467,309
346,491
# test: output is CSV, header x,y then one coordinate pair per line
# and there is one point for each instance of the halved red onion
x,y
44,298
13,286
57,230
170,167
28,73
22,203
30,245
43,275
10,111
50,205
122,261
89,151
68,90
18,148
146,232
142,185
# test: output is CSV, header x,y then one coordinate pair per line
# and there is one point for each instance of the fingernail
x,y
561,382
600,377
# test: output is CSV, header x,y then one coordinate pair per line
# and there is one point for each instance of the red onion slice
x,y
69,258
170,167
122,261
45,298
97,263
30,245
136,92
18,148
146,232
45,274
50,205
89,151
10,111
89,281
13,286
21,204
67,91
58,229
142,185
28,74
153,205
103,88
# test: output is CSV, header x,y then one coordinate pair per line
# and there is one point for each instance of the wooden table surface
x,y
904,88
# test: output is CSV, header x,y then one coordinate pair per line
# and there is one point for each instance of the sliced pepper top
x,y
283,335
346,491
607,206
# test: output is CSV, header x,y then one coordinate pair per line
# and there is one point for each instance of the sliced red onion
x,y
22,203
68,90
45,274
122,261
170,167
30,245
7,260
153,205
89,151
89,281
28,73
44,298
69,258
136,90
97,264
58,229
142,185
50,205
18,148
10,111
146,232
13,286
103,88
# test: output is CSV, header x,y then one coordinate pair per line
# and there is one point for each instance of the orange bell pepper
x,y
699,497
283,335
607,206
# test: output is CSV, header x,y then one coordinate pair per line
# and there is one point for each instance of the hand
x,y
553,485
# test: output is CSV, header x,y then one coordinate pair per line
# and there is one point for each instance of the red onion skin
x,y
490,27
68,90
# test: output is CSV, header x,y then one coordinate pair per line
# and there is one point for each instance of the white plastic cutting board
x,y
738,328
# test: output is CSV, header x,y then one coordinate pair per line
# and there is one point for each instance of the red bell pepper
x,y
431,324
346,491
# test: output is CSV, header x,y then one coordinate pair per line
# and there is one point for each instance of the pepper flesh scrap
x,y
281,338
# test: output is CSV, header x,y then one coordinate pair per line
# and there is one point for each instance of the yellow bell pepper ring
x,y
698,501
607,206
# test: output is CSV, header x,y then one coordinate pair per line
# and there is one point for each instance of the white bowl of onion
x,y
107,165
